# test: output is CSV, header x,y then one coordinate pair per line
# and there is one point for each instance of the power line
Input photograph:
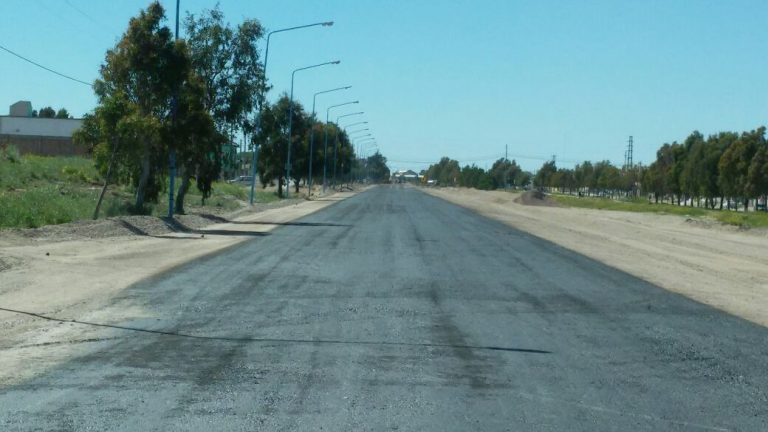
x,y
491,157
46,68
81,12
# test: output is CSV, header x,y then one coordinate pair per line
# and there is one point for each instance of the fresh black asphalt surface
x,y
395,310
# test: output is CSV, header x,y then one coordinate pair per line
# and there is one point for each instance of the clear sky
x,y
459,78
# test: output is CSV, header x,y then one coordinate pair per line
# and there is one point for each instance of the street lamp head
x,y
336,62
327,24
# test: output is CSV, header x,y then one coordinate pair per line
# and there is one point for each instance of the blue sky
x,y
459,78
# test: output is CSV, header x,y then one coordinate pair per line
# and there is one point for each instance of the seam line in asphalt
x,y
277,340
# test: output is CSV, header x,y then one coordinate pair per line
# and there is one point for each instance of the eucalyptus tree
x,y
272,135
142,72
228,63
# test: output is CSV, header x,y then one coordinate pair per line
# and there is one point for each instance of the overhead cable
x,y
46,68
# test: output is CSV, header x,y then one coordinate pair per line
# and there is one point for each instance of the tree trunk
x,y
106,179
183,189
143,180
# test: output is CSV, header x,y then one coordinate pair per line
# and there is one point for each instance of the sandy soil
x,y
72,271
714,264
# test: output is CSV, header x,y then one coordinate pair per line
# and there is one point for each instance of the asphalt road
x,y
394,310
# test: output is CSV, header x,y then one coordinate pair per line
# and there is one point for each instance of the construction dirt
x,y
722,266
536,198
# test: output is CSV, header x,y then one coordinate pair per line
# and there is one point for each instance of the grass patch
x,y
751,219
638,205
38,190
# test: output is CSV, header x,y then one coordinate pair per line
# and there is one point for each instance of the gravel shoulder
x,y
717,265
72,270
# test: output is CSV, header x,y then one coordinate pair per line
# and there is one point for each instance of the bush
x,y
11,154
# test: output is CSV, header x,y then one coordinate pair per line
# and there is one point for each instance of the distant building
x,y
21,109
41,136
405,176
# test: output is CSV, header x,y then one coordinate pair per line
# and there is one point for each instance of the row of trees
x,y
273,143
720,168
503,173
724,166
599,178
49,112
727,167
162,99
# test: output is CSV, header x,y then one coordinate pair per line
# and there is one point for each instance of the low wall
x,y
43,146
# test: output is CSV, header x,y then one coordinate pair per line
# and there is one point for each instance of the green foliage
x,y
544,176
44,205
47,112
31,171
475,177
376,168
10,154
446,172
37,191
273,152
636,205
503,173
747,220
135,92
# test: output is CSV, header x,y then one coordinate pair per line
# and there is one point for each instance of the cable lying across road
x,y
278,340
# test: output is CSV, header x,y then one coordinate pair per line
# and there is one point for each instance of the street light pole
x,y
290,121
325,150
359,143
353,138
336,141
261,99
172,153
312,135
357,131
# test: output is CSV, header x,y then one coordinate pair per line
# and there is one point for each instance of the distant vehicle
x,y
241,179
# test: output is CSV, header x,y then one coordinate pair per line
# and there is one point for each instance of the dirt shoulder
x,y
714,264
72,271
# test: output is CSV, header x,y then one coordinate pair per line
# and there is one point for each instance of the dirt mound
x,y
536,198
120,226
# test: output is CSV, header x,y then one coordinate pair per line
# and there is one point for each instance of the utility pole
x,y
506,169
172,153
624,165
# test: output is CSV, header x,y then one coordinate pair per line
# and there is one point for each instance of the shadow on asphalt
x,y
179,227
219,219
281,340
304,224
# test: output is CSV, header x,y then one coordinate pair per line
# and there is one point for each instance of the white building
x,y
43,136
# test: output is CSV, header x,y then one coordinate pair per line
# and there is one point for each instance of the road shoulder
x,y
75,279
